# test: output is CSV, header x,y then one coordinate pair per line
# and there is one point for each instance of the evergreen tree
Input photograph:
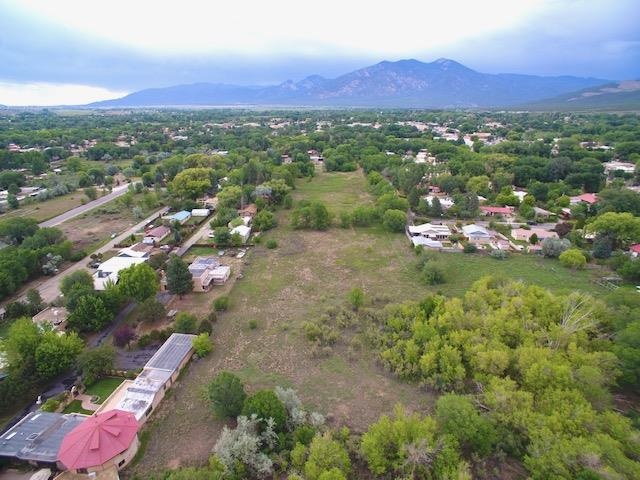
x,y
179,280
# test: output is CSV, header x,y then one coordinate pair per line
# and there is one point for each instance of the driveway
x,y
201,233
74,212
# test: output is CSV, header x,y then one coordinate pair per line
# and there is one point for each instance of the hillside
x,y
443,83
623,95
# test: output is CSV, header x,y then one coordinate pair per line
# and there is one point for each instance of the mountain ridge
x,y
443,83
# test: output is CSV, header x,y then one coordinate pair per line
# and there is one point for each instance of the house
x,y
200,212
156,235
476,234
243,231
209,202
615,166
248,211
36,439
542,213
425,242
142,395
430,231
138,250
108,271
445,202
588,198
100,442
181,217
54,316
634,250
206,271
490,211
525,235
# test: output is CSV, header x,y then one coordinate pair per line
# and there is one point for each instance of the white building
x,y
431,231
243,231
108,271
476,233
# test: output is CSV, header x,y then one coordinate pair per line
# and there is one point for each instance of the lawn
x,y
103,388
76,407
282,288
42,211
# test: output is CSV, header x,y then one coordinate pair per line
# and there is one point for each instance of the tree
x,y
325,456
56,353
263,221
230,196
573,258
623,227
90,314
179,279
602,246
457,416
311,215
394,220
435,209
192,182
151,310
139,282
79,277
202,345
265,404
185,323
533,239
226,394
222,236
553,247
34,301
95,362
356,298
12,201
20,343
123,335
91,193
15,230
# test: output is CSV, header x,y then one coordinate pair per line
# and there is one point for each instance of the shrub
x,y
433,274
185,323
553,247
394,220
265,405
226,395
221,304
202,345
123,335
469,248
205,326
271,243
253,324
356,298
499,254
326,455
51,405
573,258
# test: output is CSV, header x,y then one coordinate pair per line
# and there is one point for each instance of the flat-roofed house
x,y
138,250
525,235
206,271
181,217
476,234
431,231
108,271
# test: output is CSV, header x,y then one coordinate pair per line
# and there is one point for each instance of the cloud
x,y
50,94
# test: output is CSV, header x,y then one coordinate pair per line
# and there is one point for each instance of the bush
x,y
221,304
253,324
202,345
51,405
469,248
433,274
553,247
264,220
265,405
573,258
205,326
271,243
123,335
356,298
499,254
185,323
226,394
394,220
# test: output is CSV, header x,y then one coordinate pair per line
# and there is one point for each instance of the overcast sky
x,y
76,51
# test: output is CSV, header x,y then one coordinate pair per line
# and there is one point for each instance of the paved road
x,y
200,234
74,212
49,289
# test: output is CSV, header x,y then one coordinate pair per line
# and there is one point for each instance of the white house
x,y
445,202
138,250
108,271
243,231
476,233
425,242
431,231
200,212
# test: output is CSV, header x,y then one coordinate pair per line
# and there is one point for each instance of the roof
x,y
159,231
52,315
501,210
475,230
115,264
172,352
38,436
201,264
427,242
635,248
180,216
585,197
250,209
242,230
539,232
541,211
429,227
98,439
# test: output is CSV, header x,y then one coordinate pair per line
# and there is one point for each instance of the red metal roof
x,y
586,197
635,248
98,439
489,209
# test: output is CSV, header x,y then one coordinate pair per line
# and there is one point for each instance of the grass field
x,y
76,407
282,288
103,388
42,211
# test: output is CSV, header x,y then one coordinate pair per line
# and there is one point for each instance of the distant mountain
x,y
443,83
623,95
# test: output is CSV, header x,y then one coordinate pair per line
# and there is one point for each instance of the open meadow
x,y
309,273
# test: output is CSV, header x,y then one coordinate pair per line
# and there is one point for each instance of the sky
x,y
78,51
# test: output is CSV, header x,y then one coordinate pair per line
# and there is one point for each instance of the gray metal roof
x,y
37,437
172,352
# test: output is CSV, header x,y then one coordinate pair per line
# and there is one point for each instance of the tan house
x,y
525,235
207,271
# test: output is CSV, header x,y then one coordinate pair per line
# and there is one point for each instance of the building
x,y
138,250
634,250
108,271
615,166
100,442
156,235
249,211
588,198
36,439
181,217
425,242
542,213
445,202
525,235
242,230
476,234
430,231
200,212
54,316
142,395
206,271
490,211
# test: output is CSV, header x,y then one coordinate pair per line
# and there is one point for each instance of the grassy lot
x,y
42,211
282,288
76,407
103,388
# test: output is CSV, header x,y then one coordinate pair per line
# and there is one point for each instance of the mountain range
x,y
443,83
621,96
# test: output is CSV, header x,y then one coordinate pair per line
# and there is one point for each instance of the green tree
x,y
325,456
265,404
56,353
230,196
226,394
179,279
457,416
79,277
91,193
394,220
202,345
95,362
185,323
15,230
139,282
151,310
192,182
90,314
264,221
623,227
573,258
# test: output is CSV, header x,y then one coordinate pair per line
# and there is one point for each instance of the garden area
x,y
102,388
